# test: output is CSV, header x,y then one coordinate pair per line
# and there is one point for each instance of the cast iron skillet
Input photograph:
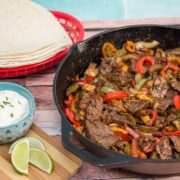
x,y
77,60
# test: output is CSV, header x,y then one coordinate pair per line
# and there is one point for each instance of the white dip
x,y
13,107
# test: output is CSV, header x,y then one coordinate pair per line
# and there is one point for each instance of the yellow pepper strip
x,y
144,97
149,83
79,128
73,104
174,59
118,104
160,53
82,113
130,46
115,128
148,51
108,46
125,68
145,119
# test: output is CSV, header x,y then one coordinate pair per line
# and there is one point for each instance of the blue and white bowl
x,y
13,132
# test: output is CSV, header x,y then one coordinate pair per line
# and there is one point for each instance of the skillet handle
x,y
118,159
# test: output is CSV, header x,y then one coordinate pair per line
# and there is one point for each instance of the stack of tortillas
x,y
28,34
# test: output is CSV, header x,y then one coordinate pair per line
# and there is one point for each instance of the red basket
x,y
76,33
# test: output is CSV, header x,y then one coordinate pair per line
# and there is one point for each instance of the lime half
x,y
20,156
33,143
41,159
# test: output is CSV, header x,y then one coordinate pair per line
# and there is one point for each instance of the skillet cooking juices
x,y
130,102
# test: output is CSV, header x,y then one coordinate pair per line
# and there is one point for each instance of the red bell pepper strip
x,y
134,148
142,155
150,149
132,132
176,101
175,133
71,117
87,80
153,119
115,95
69,101
122,136
140,63
169,66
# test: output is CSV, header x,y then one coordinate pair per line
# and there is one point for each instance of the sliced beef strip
x,y
114,117
94,109
175,85
85,98
176,142
160,87
121,77
105,67
161,60
164,148
172,115
100,133
133,106
110,107
163,104
160,122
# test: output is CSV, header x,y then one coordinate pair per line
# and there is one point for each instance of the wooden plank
x,y
49,121
43,97
40,79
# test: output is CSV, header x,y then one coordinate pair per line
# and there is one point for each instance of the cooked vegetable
x,y
115,95
130,101
168,66
130,46
72,88
108,50
139,67
71,117
143,44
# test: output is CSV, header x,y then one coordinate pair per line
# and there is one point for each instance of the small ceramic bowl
x,y
12,132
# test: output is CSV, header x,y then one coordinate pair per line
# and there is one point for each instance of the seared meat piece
x,y
176,142
110,107
133,106
163,104
94,110
160,87
175,85
100,133
121,77
161,60
85,98
164,148
105,67
172,115
114,117
160,122
170,94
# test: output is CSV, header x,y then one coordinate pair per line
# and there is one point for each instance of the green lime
x,y
41,159
20,156
33,143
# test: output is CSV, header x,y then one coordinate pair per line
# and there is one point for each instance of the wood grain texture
x,y
48,118
66,164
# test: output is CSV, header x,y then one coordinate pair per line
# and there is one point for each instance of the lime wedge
x,y
41,159
33,143
20,156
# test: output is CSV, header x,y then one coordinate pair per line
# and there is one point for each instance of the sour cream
x,y
13,107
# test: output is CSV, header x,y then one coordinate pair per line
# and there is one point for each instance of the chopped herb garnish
x,y
19,102
11,105
6,98
1,106
6,102
12,115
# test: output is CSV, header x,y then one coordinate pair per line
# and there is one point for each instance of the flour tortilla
x,y
28,33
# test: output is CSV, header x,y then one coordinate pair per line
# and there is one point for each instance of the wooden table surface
x,y
47,116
